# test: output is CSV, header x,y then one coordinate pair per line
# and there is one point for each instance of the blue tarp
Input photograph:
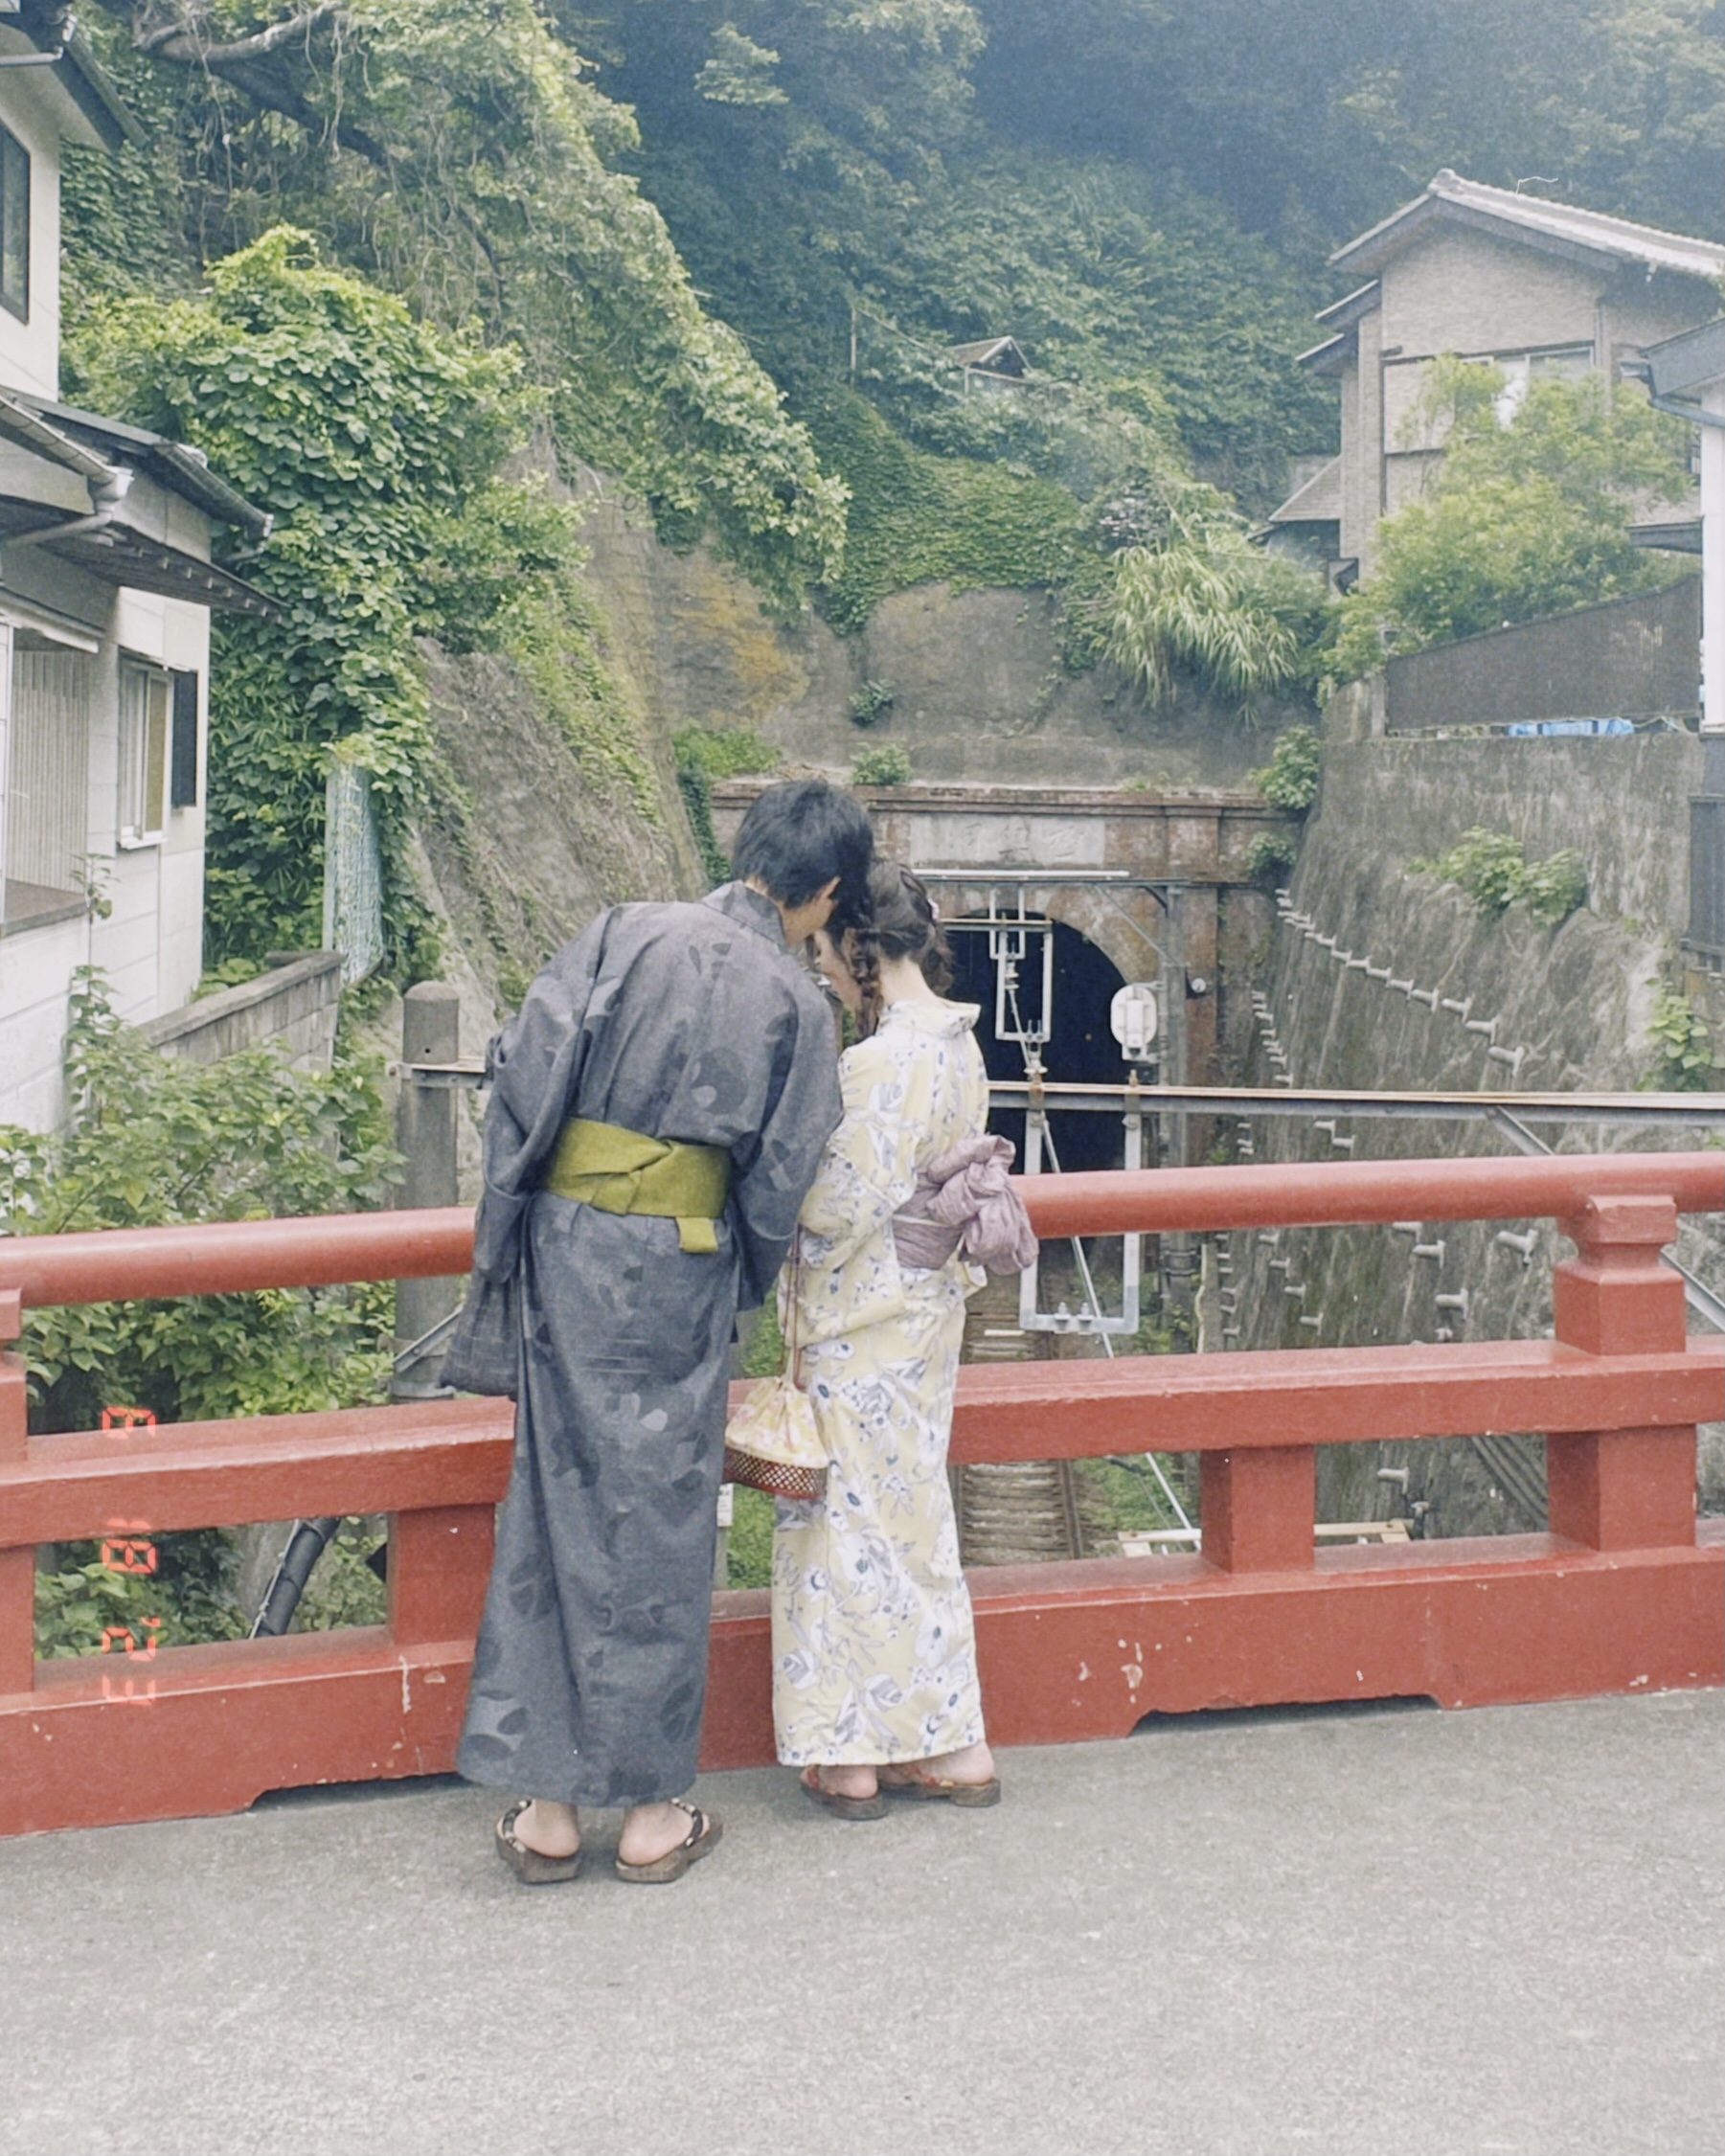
x,y
1572,726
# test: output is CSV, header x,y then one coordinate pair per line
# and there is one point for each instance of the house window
x,y
1562,363
145,708
44,782
15,226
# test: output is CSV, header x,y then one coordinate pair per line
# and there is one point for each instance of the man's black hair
x,y
797,837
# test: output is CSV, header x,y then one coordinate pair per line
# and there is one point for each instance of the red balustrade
x,y
1620,1594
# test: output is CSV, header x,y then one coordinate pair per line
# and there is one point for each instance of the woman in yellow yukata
x,y
874,1677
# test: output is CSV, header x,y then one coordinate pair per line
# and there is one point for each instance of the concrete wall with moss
x,y
979,688
1576,999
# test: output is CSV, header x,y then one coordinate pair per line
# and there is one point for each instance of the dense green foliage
x,y
151,1140
457,154
1520,519
1290,778
1494,870
375,441
1209,604
1311,119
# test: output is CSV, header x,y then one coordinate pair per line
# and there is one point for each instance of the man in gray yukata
x,y
657,1113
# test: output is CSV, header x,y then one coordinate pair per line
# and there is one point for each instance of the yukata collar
x,y
752,908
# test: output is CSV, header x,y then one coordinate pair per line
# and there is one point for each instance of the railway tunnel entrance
x,y
1081,1048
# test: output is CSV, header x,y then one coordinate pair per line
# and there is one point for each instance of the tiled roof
x,y
1557,225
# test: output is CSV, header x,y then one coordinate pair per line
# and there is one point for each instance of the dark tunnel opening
x,y
1081,1051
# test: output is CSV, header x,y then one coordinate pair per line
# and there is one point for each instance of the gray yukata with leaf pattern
x,y
687,1022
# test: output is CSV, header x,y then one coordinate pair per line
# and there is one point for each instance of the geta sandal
x,y
530,1866
704,1830
928,1789
837,1803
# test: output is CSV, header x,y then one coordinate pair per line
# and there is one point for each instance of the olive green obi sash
x,y
618,1171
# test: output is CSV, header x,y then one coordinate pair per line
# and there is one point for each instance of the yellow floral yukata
x,y
873,1642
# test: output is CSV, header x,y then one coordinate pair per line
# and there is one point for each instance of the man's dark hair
x,y
797,837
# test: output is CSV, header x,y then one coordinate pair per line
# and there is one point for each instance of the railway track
x,y
1021,1511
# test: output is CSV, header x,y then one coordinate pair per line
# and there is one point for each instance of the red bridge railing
x,y
1620,1594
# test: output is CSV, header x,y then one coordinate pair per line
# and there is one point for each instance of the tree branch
x,y
173,41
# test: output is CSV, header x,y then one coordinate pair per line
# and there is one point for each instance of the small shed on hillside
x,y
992,364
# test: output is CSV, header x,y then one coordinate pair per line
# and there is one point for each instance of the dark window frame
x,y
182,751
14,225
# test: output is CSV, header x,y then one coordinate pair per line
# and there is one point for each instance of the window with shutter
x,y
182,780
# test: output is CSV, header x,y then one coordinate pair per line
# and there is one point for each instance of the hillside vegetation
x,y
721,249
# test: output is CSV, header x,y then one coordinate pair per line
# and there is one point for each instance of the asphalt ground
x,y
1369,1933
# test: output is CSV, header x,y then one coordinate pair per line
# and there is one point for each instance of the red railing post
x,y
1257,1508
17,1567
1621,1490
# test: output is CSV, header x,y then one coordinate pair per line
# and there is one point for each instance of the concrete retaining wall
x,y
291,1008
1576,999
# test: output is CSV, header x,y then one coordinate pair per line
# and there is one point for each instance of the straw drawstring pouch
x,y
772,1441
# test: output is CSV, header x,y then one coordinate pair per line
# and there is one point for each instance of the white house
x,y
1538,287
107,588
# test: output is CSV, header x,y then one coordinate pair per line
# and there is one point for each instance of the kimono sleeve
x,y
868,1169
535,1067
803,1106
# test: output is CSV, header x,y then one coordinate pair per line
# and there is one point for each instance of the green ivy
x,y
702,755
917,518
375,443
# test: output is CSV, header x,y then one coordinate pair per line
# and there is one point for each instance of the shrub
x,y
1290,778
153,1140
1493,870
1677,1031
888,765
1271,854
871,703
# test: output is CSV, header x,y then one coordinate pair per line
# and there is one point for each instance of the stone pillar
x,y
425,1128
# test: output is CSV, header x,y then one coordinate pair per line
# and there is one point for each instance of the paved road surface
x,y
1386,1934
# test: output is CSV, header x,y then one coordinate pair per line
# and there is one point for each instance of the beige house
x,y
106,588
1537,287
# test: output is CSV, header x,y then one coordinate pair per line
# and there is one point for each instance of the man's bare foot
x,y
974,1763
549,1829
651,1831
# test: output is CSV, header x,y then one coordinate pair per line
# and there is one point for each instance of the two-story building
x,y
1537,287
106,588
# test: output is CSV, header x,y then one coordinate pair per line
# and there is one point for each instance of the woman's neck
x,y
901,982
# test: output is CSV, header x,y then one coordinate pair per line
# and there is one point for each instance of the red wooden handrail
x,y
225,1256
1622,1594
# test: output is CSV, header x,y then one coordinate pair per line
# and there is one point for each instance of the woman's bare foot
x,y
974,1763
651,1831
549,1829
847,1780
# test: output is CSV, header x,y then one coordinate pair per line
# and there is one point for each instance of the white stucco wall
x,y
29,351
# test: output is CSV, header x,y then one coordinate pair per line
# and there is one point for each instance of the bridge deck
x,y
1389,1931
